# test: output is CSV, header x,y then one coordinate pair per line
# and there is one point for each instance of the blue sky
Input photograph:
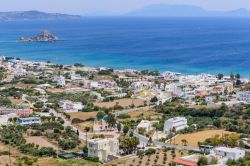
x,y
111,6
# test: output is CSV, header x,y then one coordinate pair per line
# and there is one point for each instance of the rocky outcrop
x,y
44,36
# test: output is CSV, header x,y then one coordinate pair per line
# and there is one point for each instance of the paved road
x,y
68,123
144,141
82,135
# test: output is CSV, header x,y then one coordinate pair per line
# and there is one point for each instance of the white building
x,y
61,81
243,96
209,100
69,106
103,148
147,125
5,118
93,85
229,153
179,123
174,89
141,85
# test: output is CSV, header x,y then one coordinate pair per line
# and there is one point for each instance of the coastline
x,y
125,69
161,44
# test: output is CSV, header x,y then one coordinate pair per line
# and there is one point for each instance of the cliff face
x,y
35,15
44,36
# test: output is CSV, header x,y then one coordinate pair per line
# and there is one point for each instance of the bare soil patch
x,y
194,138
122,102
82,115
41,141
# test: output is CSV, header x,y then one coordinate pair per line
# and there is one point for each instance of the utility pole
x,y
9,145
9,154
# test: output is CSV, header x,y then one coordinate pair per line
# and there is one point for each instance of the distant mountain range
x,y
156,10
34,15
166,10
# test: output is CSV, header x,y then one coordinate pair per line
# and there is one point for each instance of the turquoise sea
x,y
187,45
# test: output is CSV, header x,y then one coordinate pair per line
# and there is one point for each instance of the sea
x,y
185,45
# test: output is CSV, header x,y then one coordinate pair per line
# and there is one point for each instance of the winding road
x,y
144,141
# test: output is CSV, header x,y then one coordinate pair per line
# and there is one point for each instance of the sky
x,y
86,7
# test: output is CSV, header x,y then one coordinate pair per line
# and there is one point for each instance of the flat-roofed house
x,y
104,149
229,153
177,123
69,106
145,124
5,118
243,96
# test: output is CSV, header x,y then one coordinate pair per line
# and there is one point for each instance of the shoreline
x,y
131,69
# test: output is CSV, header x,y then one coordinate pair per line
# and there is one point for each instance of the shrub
x,y
77,120
36,133
150,151
94,159
67,144
123,116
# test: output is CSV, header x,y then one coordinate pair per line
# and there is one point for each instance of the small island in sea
x,y
44,36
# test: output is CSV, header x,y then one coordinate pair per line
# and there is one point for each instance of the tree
x,y
232,76
111,120
129,144
85,149
107,111
119,127
154,73
125,129
154,99
86,129
144,72
220,76
77,132
60,67
237,76
202,161
100,115
214,160
150,151
5,102
238,82
184,142
78,65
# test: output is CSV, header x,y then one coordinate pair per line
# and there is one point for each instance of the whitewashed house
x,y
61,81
243,96
69,106
177,123
145,124
103,148
92,85
5,118
209,100
229,153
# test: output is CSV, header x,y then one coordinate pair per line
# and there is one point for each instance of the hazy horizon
x,y
113,7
